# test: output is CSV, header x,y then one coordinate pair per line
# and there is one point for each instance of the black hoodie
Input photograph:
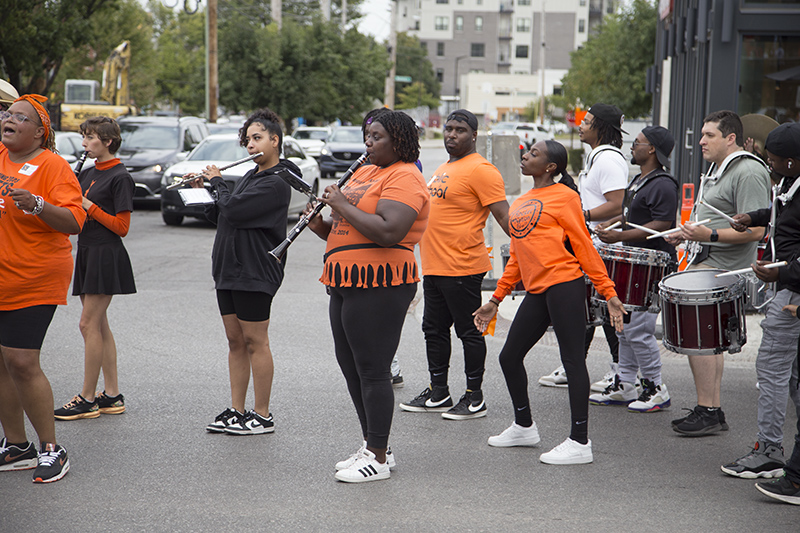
x,y
250,221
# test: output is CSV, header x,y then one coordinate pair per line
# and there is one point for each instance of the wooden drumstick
x,y
723,215
750,269
651,231
676,230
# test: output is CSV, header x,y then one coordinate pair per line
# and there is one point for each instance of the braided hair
x,y
606,133
404,134
269,120
369,118
556,153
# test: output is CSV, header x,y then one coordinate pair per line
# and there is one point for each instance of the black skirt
x,y
103,269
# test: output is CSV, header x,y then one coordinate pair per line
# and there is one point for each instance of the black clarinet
x,y
280,250
81,161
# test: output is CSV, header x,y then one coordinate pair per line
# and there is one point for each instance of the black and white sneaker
x,y
432,399
15,458
53,464
364,468
252,423
224,419
471,405
350,461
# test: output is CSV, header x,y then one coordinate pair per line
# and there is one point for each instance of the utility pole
x,y
212,78
344,14
541,69
277,16
388,100
325,7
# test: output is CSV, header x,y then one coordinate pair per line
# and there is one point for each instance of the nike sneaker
x,y
516,435
224,419
16,458
53,464
252,423
471,405
432,399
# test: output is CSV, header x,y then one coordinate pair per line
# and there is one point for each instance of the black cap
x,y
609,113
784,141
662,141
462,115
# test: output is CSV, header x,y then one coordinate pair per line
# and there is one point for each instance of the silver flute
x,y
184,181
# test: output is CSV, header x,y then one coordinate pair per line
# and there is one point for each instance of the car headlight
x,y
325,151
154,168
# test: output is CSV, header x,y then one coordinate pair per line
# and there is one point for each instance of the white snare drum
x,y
702,314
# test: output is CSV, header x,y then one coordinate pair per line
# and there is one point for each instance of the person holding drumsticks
x,y
736,182
40,206
102,267
372,275
540,221
251,221
776,362
651,201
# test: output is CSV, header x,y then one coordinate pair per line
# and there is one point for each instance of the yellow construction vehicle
x,y
81,99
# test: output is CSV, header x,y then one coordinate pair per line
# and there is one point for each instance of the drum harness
x,y
589,162
693,248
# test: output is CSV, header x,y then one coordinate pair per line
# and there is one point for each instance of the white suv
x,y
311,139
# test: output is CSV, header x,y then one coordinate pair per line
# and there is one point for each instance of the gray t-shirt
x,y
741,188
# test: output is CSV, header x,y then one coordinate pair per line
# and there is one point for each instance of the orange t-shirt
x,y
461,193
35,259
540,221
352,260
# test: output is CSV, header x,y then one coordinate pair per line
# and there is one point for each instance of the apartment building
x,y
500,42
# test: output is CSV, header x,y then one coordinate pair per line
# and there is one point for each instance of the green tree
x,y
415,95
36,34
612,65
412,60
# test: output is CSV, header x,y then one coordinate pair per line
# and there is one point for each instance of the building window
x,y
477,50
424,46
523,2
610,7
522,51
442,1
523,24
459,23
583,3
480,2
441,23
440,49
581,26
440,75
478,23
767,84
460,2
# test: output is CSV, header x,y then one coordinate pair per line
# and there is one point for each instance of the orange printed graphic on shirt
x,y
524,219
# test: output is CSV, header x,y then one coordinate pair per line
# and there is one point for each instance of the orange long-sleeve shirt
x,y
540,221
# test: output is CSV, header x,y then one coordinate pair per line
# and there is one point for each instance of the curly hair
x,y
370,117
404,134
106,129
269,120
606,133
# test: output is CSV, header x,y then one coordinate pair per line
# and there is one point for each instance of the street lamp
x,y
459,58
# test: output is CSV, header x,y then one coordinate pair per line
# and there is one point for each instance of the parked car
x,y
68,144
222,149
529,133
152,144
311,138
344,146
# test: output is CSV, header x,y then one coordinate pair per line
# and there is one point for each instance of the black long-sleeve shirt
x,y
251,221
786,235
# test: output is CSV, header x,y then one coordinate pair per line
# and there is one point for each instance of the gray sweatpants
x,y
638,349
776,367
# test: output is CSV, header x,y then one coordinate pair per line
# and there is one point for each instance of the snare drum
x,y
703,315
635,273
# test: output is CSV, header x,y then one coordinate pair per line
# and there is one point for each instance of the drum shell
x,y
636,273
706,320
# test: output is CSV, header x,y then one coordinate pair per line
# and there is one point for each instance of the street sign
x,y
403,79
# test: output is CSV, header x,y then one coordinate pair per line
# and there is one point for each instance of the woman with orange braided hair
x,y
40,205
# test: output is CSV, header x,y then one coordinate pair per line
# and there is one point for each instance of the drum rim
x,y
634,255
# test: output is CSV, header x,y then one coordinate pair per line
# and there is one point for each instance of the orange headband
x,y
36,100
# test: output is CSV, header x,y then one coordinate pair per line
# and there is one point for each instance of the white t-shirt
x,y
606,170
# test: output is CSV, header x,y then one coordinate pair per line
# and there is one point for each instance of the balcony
x,y
504,34
507,6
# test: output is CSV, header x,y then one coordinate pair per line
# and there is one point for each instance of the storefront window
x,y
769,77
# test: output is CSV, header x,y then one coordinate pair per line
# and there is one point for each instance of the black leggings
x,y
563,306
366,326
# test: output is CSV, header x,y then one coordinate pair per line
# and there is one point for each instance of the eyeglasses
x,y
19,118
634,143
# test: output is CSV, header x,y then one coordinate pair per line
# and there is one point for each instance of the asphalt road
x,y
154,468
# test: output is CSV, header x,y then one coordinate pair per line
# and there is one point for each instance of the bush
x,y
575,158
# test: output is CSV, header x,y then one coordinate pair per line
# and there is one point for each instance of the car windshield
x,y
352,135
218,150
149,136
310,134
500,126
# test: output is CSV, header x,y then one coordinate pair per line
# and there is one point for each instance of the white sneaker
x,y
557,378
618,393
365,468
608,379
516,435
652,398
569,452
347,463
